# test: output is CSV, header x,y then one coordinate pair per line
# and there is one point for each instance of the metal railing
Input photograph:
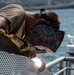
x,y
12,64
65,65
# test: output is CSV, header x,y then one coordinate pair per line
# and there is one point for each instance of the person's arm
x,y
26,49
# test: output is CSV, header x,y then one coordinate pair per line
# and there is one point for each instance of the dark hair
x,y
52,23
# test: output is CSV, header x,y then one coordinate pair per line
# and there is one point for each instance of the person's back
x,y
14,15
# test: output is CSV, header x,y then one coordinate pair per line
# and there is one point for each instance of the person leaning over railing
x,y
16,23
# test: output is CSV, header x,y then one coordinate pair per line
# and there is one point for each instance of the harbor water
x,y
67,25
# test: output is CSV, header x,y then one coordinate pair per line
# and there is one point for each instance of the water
x,y
67,25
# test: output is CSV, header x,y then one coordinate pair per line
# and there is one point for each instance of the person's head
x,y
33,18
44,30
51,17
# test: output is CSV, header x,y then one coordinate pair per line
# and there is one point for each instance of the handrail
x,y
8,69
60,71
60,60
51,64
69,58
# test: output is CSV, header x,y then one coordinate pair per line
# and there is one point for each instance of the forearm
x,y
25,48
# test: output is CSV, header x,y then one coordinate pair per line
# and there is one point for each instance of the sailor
x,y
16,23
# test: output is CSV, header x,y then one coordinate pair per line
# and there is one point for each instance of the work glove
x,y
24,48
42,68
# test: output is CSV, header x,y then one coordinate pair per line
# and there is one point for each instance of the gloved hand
x,y
42,66
39,63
